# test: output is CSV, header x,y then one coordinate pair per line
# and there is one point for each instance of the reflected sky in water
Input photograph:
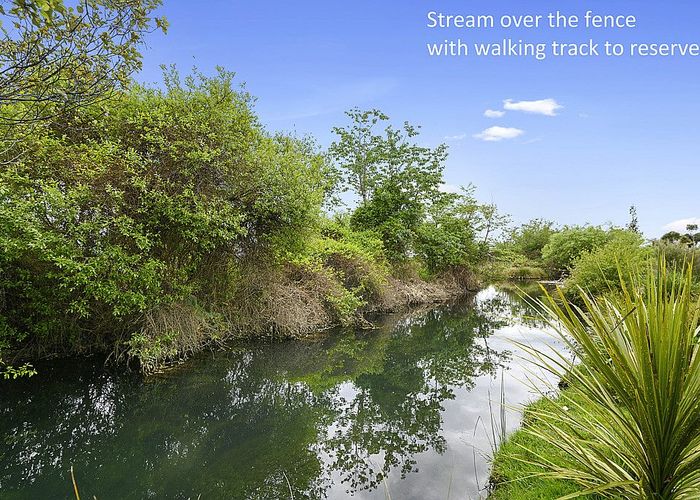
x,y
405,408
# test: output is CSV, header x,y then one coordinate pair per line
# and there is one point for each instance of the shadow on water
x,y
351,413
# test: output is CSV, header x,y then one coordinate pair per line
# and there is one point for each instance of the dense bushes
x,y
570,242
537,249
529,239
159,220
598,270
354,259
143,202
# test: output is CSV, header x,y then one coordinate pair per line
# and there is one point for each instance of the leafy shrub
x,y
597,271
142,201
678,255
566,245
448,237
530,238
355,257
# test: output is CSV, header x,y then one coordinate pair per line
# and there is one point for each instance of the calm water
x,y
403,409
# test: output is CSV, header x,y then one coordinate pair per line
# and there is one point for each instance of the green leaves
x,y
141,202
62,57
570,242
636,390
598,270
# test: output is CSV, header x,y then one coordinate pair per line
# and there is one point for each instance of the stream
x,y
409,410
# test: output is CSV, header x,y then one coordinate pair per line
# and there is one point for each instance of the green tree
x,y
686,240
395,178
671,237
359,150
369,160
56,56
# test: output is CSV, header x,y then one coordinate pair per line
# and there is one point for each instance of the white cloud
x,y
547,107
455,137
492,113
494,134
679,225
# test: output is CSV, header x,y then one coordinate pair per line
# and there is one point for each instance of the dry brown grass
x,y
173,332
285,301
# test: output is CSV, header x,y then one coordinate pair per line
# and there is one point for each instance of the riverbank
x,y
630,368
514,475
281,302
292,303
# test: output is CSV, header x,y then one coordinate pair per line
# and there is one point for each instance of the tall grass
x,y
635,388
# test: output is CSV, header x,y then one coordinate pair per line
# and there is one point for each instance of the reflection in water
x,y
331,418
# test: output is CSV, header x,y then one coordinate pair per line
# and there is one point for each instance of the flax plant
x,y
629,425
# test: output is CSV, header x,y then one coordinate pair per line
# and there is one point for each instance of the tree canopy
x,y
55,56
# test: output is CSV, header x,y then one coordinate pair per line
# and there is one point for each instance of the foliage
x,y
56,56
598,270
506,264
357,256
636,432
677,256
395,215
449,237
530,238
369,160
671,237
14,372
141,202
353,260
394,177
689,239
566,245
693,234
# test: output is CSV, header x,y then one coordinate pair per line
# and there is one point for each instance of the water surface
x,y
404,411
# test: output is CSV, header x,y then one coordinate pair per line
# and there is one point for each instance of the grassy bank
x,y
515,474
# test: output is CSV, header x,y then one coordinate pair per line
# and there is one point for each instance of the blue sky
x,y
627,132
